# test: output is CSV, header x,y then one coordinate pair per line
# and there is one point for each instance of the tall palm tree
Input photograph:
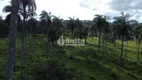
x,y
71,25
93,30
12,39
122,28
84,32
138,37
105,30
57,24
78,28
113,34
47,19
32,25
31,6
99,24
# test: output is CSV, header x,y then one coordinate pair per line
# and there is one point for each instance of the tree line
x,y
21,19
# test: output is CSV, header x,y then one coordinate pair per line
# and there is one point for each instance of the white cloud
x,y
86,9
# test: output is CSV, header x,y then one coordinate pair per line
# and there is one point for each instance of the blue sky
x,y
86,9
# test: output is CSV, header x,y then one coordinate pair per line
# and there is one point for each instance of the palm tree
x,y
138,37
12,39
8,9
58,26
78,28
31,5
71,25
32,25
105,30
84,32
113,34
81,30
47,19
57,23
93,30
121,27
99,23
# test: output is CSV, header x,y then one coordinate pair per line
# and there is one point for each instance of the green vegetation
x,y
82,63
112,50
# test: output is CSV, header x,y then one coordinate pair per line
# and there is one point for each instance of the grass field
x,y
42,62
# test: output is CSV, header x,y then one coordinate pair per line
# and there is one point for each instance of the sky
x,y
86,9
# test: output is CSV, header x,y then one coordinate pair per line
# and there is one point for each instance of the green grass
x,y
75,63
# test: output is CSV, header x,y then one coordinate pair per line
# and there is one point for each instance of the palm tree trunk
x,y
48,30
95,40
12,40
122,47
138,49
121,55
31,38
126,46
85,39
22,46
72,33
103,44
114,41
99,43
